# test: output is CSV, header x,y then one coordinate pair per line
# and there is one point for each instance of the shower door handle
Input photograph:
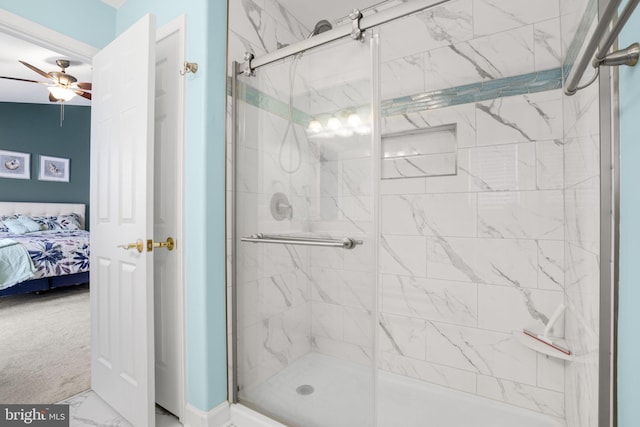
x,y
344,243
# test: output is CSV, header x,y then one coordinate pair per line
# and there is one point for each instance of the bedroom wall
x,y
47,138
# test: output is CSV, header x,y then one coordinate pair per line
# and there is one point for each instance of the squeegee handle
x,y
554,318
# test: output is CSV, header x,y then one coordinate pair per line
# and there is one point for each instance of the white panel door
x,y
122,127
167,213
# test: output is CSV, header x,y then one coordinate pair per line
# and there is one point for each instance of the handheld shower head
x,y
322,26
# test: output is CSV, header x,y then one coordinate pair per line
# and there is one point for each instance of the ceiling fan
x,y
62,86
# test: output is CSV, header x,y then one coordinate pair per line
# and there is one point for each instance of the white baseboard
x,y
217,417
241,416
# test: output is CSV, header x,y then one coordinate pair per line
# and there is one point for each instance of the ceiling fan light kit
x,y
62,87
61,93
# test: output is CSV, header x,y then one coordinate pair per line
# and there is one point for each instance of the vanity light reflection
x,y
335,126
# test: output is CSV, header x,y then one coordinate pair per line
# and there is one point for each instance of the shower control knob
x,y
281,209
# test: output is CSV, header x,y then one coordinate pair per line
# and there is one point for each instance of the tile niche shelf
x,y
421,152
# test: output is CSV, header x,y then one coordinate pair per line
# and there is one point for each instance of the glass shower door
x,y
304,214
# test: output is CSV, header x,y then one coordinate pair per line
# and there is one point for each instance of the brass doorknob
x,y
169,244
139,245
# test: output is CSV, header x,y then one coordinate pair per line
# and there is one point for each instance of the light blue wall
x,y
205,188
204,159
629,312
90,21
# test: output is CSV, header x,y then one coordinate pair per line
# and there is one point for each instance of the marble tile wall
x,y
287,292
272,281
261,26
467,259
343,281
467,41
582,232
464,259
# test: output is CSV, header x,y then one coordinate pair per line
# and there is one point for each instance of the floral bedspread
x,y
56,252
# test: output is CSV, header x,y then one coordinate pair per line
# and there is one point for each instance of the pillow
x,y
46,222
69,222
4,228
29,224
60,222
15,226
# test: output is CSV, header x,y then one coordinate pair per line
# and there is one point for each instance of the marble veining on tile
x,y
547,44
429,299
485,352
510,262
491,16
537,399
87,409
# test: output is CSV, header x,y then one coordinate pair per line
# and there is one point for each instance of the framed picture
x,y
54,169
15,165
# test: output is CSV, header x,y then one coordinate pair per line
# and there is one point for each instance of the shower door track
x,y
364,23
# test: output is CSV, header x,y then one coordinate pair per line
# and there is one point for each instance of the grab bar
x,y
345,243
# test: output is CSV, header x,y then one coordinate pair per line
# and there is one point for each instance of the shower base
x,y
341,397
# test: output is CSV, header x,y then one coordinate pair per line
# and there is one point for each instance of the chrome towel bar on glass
x,y
345,243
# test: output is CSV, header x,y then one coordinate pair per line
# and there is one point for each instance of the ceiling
x,y
13,49
117,3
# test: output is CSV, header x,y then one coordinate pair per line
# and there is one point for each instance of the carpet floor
x,y
44,346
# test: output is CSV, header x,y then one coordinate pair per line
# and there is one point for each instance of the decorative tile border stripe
x,y
518,85
253,96
539,81
266,102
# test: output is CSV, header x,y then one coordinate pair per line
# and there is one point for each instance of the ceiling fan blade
x,y
37,70
23,80
84,85
83,94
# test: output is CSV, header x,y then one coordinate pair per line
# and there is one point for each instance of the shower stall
x,y
406,198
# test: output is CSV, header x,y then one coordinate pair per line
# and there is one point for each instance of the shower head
x,y
322,26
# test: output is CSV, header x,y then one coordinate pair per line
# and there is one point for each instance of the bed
x,y
59,250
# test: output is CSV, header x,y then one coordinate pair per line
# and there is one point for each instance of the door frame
x,y
40,35
178,25
22,28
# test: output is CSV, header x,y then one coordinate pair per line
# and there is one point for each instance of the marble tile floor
x,y
88,409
